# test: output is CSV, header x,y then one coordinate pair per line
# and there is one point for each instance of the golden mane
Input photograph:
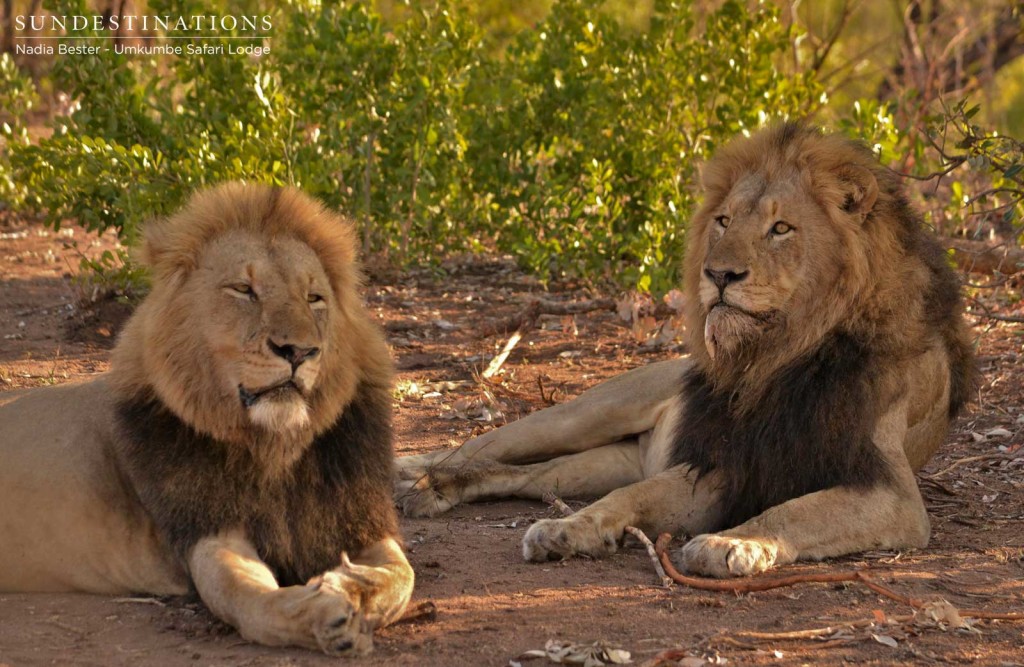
x,y
157,355
173,245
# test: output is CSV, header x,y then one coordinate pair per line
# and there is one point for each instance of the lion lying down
x,y
827,357
240,445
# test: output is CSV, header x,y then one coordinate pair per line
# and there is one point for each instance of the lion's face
x,y
775,257
254,332
757,240
268,305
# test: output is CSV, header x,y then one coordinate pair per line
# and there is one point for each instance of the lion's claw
x,y
322,614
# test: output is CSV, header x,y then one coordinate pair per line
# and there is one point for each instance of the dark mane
x,y
336,497
943,305
811,430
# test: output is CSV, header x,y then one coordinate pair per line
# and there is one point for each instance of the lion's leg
x,y
819,525
827,523
619,408
325,614
379,579
586,474
671,501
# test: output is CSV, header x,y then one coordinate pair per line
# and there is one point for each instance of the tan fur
x,y
70,517
845,265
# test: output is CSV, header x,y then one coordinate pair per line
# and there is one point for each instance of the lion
x,y
827,357
240,445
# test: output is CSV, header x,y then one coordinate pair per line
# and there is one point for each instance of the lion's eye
x,y
781,228
722,220
314,298
243,290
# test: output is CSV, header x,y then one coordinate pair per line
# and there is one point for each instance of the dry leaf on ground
x,y
562,652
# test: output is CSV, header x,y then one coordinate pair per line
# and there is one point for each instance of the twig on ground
x,y
666,580
548,398
827,631
424,611
973,459
557,503
981,257
989,314
67,626
751,585
155,601
936,484
527,317
499,360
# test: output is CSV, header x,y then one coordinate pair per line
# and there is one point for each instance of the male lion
x,y
827,357
240,444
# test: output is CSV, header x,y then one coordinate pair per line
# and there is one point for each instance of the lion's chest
x,y
335,498
810,430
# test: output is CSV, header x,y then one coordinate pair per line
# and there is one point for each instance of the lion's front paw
x,y
425,493
322,614
721,556
552,539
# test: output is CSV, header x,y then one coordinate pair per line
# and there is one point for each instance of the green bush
x,y
573,146
593,132
17,98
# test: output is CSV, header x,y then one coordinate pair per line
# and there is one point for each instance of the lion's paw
x,y
554,539
324,611
722,556
424,493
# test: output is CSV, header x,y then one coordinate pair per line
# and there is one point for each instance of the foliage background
x,y
567,133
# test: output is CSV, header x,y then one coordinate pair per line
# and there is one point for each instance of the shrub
x,y
573,146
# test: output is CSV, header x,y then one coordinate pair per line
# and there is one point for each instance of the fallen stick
x,y
751,585
499,360
814,633
424,611
981,257
666,580
527,317
557,503
974,459
140,600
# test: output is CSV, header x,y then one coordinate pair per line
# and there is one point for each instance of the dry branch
x,y
973,459
498,360
557,503
652,551
961,69
425,611
527,317
750,585
980,257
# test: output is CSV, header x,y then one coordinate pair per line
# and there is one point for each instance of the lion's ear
x,y
160,248
147,252
859,189
152,250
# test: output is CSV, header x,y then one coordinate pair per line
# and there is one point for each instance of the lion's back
x,y
65,510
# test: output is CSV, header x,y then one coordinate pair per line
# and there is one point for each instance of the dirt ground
x,y
492,606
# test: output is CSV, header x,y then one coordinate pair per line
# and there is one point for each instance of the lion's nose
x,y
295,354
724,278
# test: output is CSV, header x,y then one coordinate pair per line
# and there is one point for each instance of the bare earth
x,y
492,606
